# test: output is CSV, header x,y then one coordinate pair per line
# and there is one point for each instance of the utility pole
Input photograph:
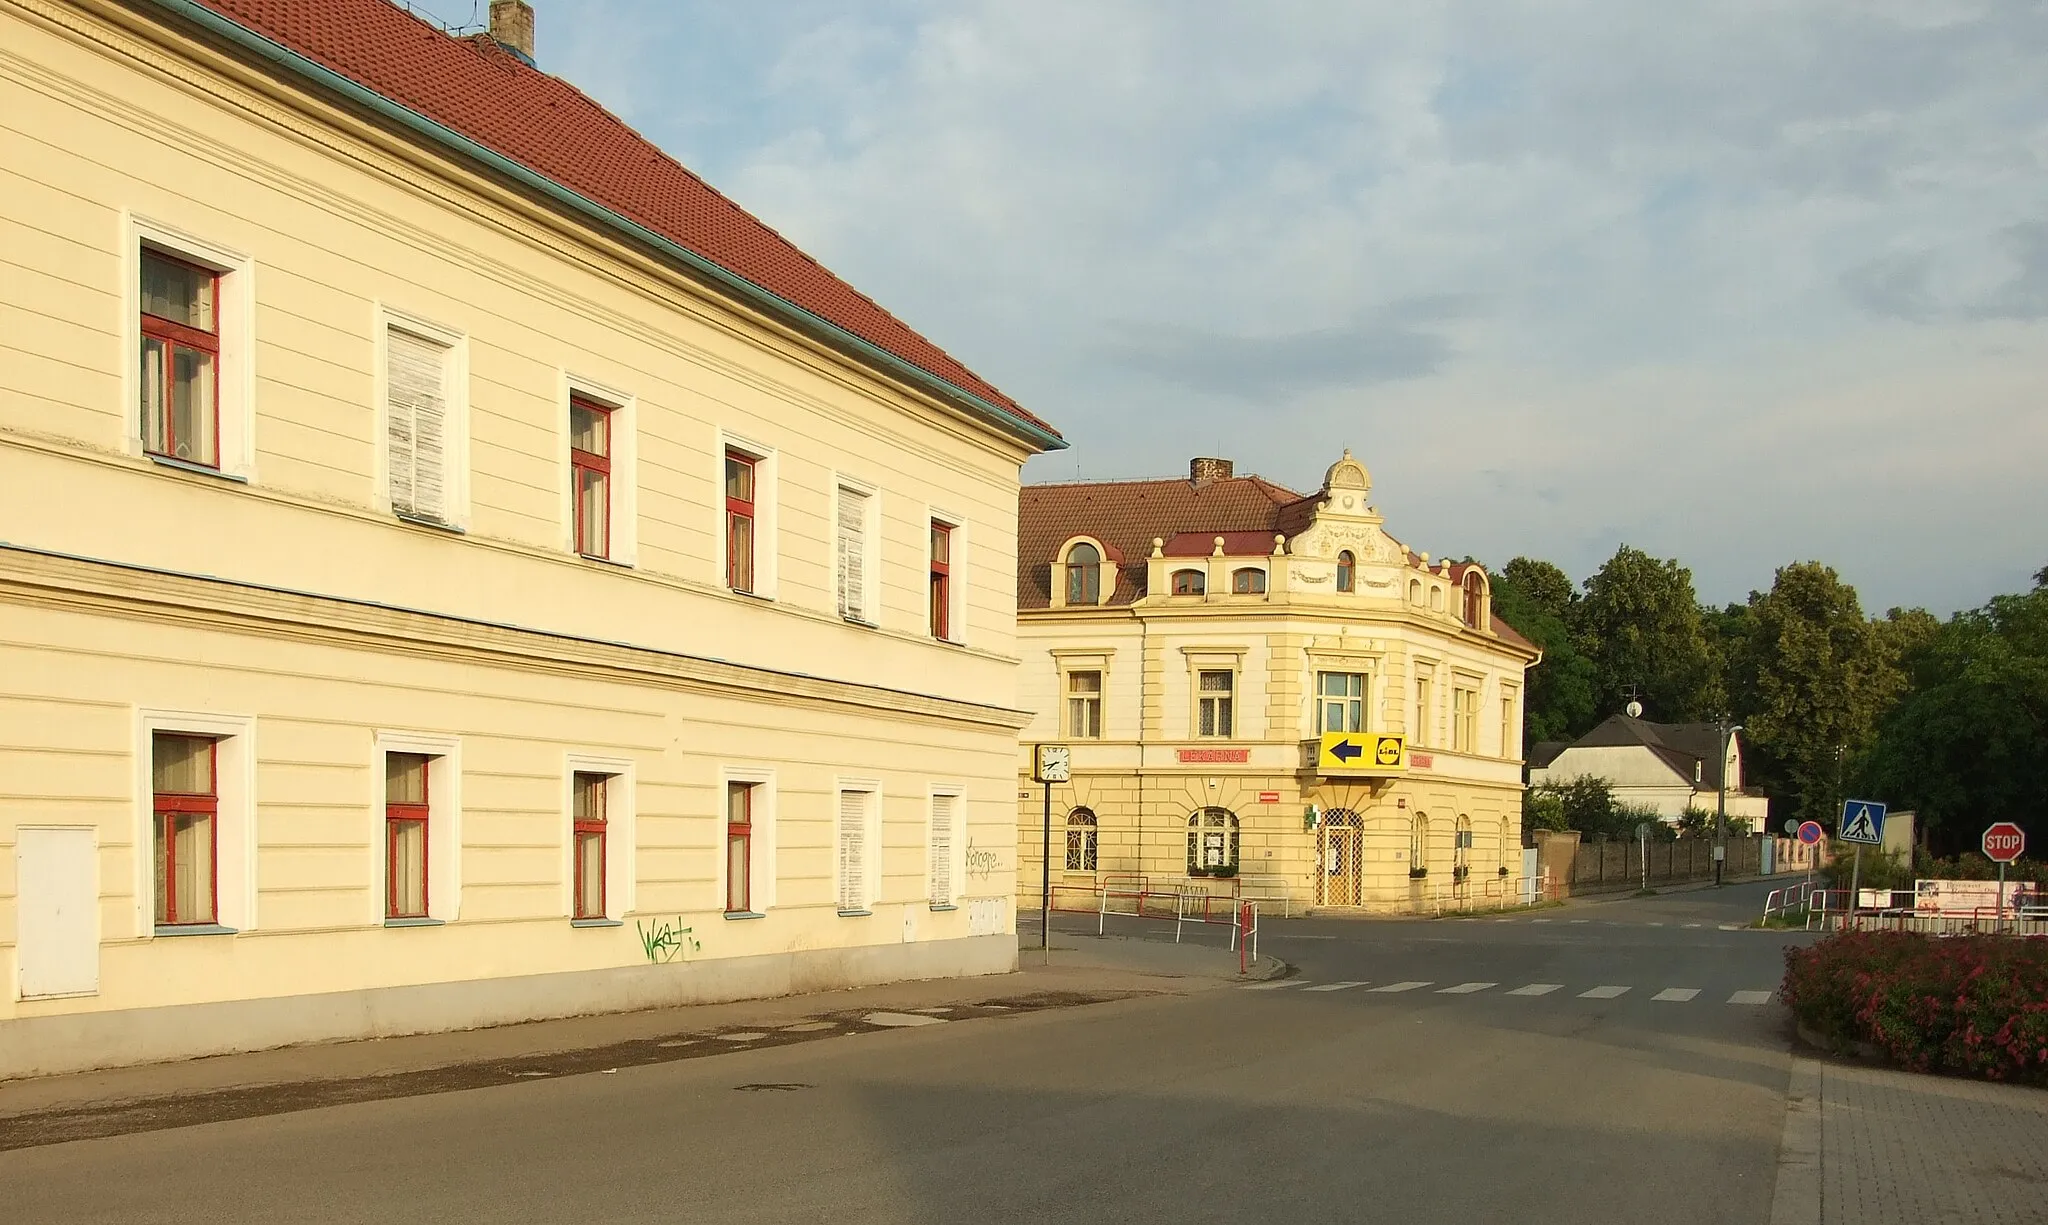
x,y
1721,803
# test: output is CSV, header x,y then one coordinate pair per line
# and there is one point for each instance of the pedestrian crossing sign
x,y
1862,821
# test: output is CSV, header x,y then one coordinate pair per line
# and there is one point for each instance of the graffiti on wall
x,y
981,864
665,940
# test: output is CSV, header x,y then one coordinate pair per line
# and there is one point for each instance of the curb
x,y
1265,969
1796,1198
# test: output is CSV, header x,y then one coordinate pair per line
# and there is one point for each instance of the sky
x,y
1740,283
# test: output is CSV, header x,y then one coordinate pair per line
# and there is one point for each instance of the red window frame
x,y
174,335
585,826
1347,570
739,887
942,580
397,815
1472,598
1190,582
170,803
739,563
581,461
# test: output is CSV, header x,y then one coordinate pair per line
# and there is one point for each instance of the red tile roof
x,y
484,93
1127,516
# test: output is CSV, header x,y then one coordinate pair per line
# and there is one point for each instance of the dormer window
x,y
1248,581
1084,575
1190,582
1347,571
1475,600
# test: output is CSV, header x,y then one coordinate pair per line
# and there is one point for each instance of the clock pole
x,y
1045,879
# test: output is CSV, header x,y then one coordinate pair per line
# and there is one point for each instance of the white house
x,y
1667,766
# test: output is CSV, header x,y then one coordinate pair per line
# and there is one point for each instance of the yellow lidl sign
x,y
1362,753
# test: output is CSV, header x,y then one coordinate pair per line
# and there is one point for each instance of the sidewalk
x,y
1877,1146
1078,970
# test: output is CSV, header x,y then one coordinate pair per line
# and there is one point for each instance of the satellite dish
x,y
1635,710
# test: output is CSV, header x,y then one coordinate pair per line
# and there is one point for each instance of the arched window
x,y
1081,850
1249,581
1415,591
1212,843
1504,836
1418,845
1475,597
1189,582
1436,598
1347,567
1084,575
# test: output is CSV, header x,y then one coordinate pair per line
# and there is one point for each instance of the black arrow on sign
x,y
1345,750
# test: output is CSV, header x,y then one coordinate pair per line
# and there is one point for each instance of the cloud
x,y
1397,344
1817,229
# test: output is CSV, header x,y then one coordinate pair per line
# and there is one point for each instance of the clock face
x,y
1053,763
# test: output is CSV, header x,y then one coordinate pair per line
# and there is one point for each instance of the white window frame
x,y
237,329
761,885
1364,673
767,472
444,825
1510,720
956,865
1422,703
871,551
956,573
623,541
871,848
455,445
234,782
621,829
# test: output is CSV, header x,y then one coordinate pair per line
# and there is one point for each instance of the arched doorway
x,y
1340,850
1212,843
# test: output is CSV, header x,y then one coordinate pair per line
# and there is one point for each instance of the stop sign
x,y
2004,841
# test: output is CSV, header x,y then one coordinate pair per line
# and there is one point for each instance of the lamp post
x,y
1721,803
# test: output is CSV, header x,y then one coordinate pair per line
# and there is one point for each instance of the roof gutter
x,y
763,299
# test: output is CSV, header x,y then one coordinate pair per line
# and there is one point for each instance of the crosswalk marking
x,y
1390,987
1537,989
1676,995
1582,920
1466,988
1691,925
1669,995
1337,986
1539,920
1750,997
1276,984
1603,993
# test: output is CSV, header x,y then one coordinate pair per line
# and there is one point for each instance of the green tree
x,y
1816,677
1536,598
1968,743
1640,626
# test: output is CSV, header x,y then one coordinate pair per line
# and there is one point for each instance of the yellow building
x,y
1265,696
457,567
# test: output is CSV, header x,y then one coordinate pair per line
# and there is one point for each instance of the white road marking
x,y
1731,927
1582,920
1390,987
1338,986
1537,989
1603,993
1656,925
1276,984
1539,920
1676,995
1692,925
1465,988
1750,997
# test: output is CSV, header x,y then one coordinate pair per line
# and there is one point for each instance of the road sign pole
x,y
1045,879
2000,925
1855,882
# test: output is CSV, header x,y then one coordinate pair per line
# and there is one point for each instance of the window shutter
x,y
416,424
853,531
942,849
853,833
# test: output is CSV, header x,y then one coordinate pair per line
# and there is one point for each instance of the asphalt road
x,y
1446,1100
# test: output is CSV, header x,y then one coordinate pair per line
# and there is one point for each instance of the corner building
x,y
458,567
1193,640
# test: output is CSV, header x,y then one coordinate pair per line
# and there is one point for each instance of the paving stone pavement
x,y
1898,1148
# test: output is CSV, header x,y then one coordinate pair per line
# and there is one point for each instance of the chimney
x,y
512,27
1202,471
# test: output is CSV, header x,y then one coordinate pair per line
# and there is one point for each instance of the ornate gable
x,y
1344,520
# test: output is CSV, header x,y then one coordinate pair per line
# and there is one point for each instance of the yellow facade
x,y
1158,789
279,607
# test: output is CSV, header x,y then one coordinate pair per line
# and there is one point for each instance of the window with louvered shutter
x,y
416,424
942,848
853,549
853,839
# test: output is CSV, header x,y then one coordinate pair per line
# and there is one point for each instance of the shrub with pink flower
x,y
1967,1005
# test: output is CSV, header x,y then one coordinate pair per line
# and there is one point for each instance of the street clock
x,y
1052,763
